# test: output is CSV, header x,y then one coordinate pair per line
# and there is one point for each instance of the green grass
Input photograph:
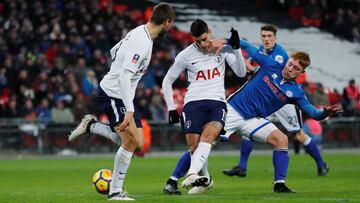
x,y
69,180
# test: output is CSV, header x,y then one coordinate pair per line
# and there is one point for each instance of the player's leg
x,y
180,170
262,130
89,124
105,131
209,184
313,151
290,117
131,139
83,127
193,178
280,160
214,118
245,150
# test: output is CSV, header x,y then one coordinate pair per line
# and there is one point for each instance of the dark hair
x,y
303,57
269,27
161,13
198,27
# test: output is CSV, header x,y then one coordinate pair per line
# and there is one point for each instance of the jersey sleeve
x,y
260,58
303,103
170,77
235,60
132,53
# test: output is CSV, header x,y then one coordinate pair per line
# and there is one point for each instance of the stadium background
x,y
54,53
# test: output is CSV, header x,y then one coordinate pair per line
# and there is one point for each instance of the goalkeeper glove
x,y
174,117
234,40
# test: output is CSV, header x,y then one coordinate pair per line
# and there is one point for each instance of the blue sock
x,y
245,150
314,152
182,165
281,163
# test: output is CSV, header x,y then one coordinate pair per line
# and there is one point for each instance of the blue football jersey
x,y
267,91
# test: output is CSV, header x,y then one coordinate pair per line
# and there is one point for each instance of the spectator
x,y
157,108
42,111
90,84
320,97
27,111
350,98
61,114
12,109
311,14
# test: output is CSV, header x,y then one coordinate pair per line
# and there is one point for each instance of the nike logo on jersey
x,y
193,63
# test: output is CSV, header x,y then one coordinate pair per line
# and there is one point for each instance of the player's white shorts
x,y
289,117
257,129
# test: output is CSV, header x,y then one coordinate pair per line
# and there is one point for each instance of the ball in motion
x,y
101,181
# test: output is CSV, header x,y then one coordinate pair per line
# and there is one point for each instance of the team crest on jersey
x,y
279,58
123,110
187,124
217,59
289,93
136,58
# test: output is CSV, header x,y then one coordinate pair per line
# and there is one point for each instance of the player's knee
x,y
140,142
301,136
278,139
192,148
129,141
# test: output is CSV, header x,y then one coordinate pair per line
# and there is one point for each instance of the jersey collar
x,y
147,32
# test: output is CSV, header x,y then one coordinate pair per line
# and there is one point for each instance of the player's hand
x,y
174,117
334,109
234,40
217,45
129,117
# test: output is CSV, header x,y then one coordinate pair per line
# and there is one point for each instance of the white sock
x,y
105,131
174,178
205,171
307,141
121,165
199,158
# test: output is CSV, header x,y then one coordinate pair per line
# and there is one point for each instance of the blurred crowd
x,y
342,18
54,53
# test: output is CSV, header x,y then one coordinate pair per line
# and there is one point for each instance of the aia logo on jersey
x,y
135,59
217,59
208,74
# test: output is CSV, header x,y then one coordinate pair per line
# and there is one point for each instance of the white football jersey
x,y
205,73
132,53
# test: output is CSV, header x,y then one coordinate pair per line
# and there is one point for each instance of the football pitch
x,y
69,180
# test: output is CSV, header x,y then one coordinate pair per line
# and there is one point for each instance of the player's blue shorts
x,y
114,109
196,114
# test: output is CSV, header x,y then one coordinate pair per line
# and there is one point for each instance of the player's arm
x,y
262,59
125,86
170,77
235,60
133,53
318,114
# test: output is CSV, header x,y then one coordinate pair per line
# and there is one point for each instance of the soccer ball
x,y
101,181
